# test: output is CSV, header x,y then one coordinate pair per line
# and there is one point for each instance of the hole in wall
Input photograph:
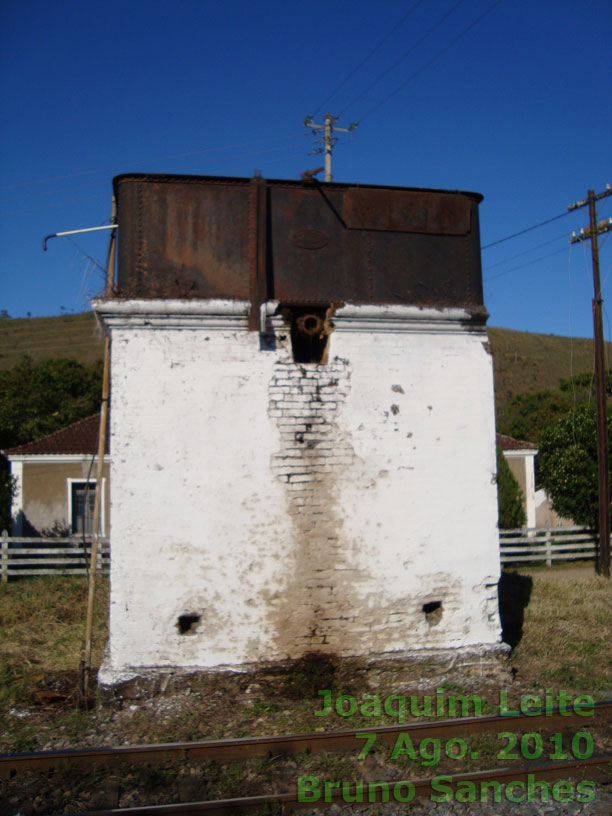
x,y
310,324
433,612
187,624
310,330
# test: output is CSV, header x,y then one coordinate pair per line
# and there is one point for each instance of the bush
x,y
568,466
511,513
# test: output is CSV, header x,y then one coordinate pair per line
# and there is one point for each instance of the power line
x,y
50,205
89,258
403,57
157,158
67,195
286,156
523,231
529,263
92,184
527,251
378,45
432,60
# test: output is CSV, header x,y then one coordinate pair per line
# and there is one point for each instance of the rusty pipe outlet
x,y
310,325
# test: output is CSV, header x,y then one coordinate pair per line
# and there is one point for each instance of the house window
x,y
82,498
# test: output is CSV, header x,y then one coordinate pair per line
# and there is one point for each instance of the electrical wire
x,y
522,266
527,229
150,160
402,58
378,45
284,158
95,184
89,258
527,251
49,206
431,61
62,203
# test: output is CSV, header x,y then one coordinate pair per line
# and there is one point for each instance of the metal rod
x,y
229,750
75,232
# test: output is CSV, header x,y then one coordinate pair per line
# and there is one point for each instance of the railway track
x,y
595,768
581,765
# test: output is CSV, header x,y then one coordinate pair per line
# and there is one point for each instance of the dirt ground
x,y
546,613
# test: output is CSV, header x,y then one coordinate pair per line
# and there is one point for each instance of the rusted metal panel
x,y
405,211
297,242
182,238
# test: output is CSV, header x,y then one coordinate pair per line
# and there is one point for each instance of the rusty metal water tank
x,y
297,241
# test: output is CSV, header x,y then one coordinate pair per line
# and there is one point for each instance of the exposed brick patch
x,y
305,401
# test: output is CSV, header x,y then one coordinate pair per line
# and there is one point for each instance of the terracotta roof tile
x,y
80,437
507,443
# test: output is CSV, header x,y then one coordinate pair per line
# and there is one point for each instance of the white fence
x,y
547,544
71,556
50,556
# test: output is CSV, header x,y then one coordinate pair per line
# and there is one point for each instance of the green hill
x,y
523,361
73,336
526,362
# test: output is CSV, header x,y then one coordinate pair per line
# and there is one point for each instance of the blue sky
x,y
505,97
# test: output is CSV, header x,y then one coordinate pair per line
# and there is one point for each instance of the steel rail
x,y
345,740
599,766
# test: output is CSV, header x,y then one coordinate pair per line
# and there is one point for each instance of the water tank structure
x,y
302,425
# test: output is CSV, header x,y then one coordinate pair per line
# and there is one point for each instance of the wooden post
x,y
93,563
603,464
5,544
548,541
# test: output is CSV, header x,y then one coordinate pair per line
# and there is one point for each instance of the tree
x,y
36,400
511,513
528,415
8,486
568,465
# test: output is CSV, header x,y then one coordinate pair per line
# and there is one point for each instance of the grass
x,y
566,635
526,362
42,633
564,644
72,336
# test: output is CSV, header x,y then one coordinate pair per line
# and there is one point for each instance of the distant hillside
x,y
73,336
526,362
523,361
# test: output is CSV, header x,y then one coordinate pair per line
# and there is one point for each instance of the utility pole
x,y
590,233
328,138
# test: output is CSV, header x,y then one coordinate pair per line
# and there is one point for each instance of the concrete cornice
x,y
405,319
173,314
233,315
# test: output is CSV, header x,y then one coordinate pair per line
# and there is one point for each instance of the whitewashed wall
x,y
298,507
